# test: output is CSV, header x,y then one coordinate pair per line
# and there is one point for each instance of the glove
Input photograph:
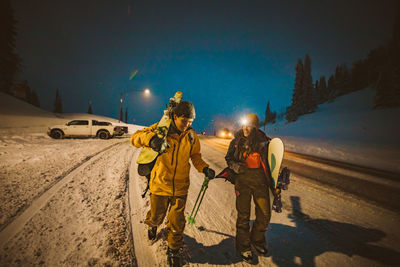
x,y
284,178
277,204
158,144
210,173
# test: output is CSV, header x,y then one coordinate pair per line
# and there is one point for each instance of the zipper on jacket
x,y
173,153
176,165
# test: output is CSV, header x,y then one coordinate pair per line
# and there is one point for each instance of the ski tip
x,y
178,95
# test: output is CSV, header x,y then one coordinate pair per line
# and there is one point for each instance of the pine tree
x,y
35,99
267,110
24,91
293,111
90,110
331,89
126,115
58,107
322,88
32,97
359,75
269,115
308,97
388,82
120,113
9,60
273,117
342,81
317,91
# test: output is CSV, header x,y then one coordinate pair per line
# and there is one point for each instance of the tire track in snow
x,y
18,222
137,205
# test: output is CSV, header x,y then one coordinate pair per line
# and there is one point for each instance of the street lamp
x,y
146,92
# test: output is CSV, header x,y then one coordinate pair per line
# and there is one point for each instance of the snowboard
x,y
275,157
148,155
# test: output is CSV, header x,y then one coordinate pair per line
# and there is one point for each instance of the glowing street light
x,y
146,92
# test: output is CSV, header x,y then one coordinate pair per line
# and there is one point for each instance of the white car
x,y
82,128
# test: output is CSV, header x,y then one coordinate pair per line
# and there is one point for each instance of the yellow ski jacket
x,y
170,175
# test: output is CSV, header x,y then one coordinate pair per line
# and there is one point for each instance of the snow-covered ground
x,y
88,210
75,202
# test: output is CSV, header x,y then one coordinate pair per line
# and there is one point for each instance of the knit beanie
x,y
185,109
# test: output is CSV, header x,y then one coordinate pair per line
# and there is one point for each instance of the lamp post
x,y
146,92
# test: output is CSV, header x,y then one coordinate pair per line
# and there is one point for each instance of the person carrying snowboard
x,y
169,180
247,157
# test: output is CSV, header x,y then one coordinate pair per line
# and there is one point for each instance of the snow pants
x,y
176,217
251,184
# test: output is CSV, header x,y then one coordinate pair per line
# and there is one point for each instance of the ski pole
x,y
203,189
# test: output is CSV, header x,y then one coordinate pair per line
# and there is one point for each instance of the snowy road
x,y
96,212
320,225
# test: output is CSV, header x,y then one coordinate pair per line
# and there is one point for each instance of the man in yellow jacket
x,y
169,180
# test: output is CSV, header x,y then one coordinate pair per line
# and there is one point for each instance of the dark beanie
x,y
185,109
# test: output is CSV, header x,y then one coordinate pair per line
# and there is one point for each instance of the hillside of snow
x,y
16,114
347,129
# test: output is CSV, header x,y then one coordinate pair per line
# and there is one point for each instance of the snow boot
x,y
174,257
247,256
261,249
152,232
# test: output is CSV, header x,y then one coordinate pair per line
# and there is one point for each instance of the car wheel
x,y
103,135
57,134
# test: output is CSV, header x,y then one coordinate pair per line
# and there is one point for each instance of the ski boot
x,y
152,233
174,257
247,256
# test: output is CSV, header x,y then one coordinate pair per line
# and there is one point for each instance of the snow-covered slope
x,y
350,118
349,130
16,114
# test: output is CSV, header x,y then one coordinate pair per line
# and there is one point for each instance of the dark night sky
x,y
228,57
